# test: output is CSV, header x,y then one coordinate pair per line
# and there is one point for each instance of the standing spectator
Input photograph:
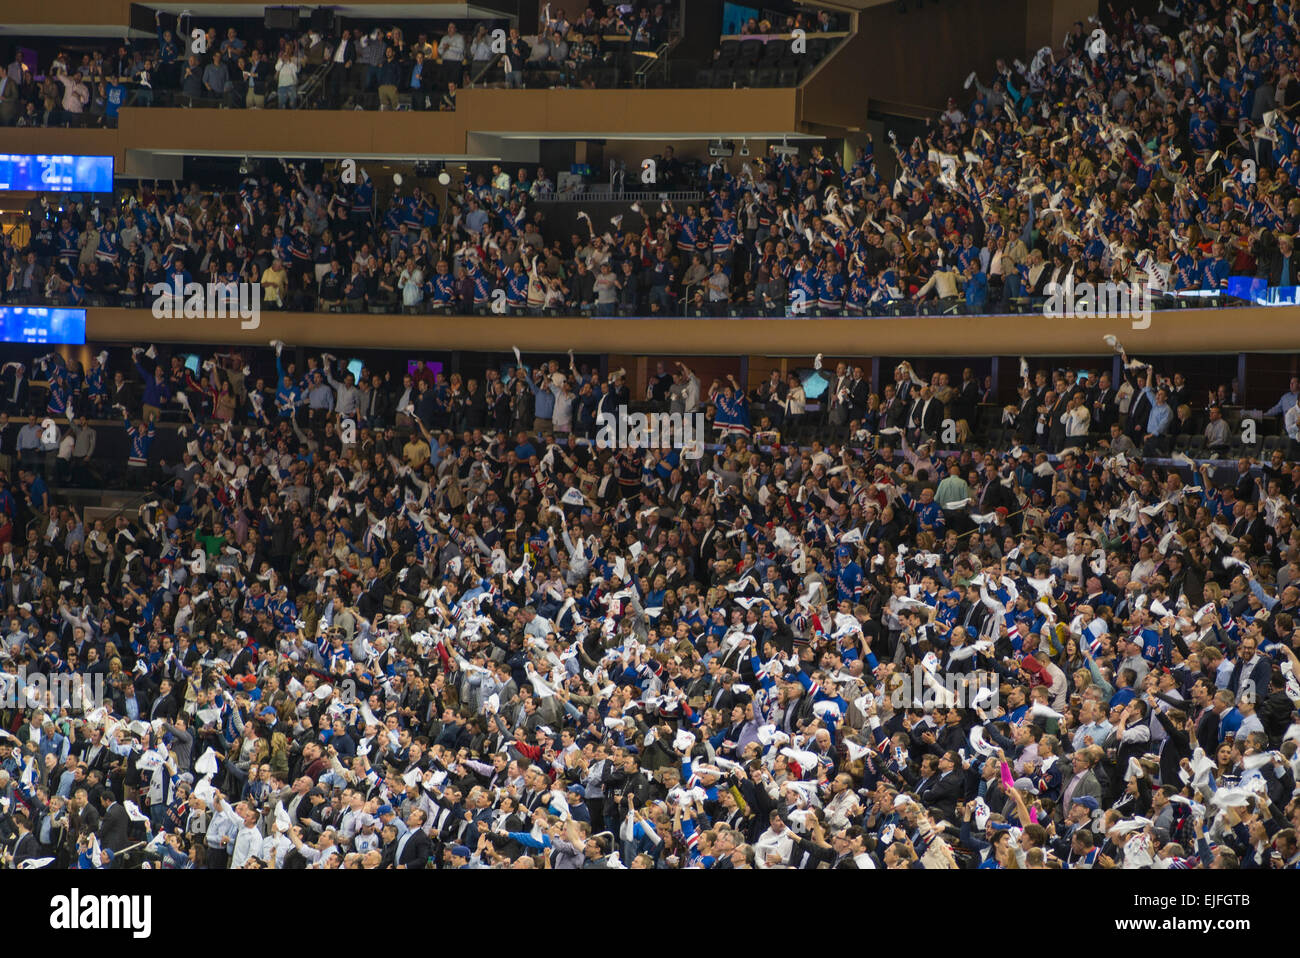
x,y
389,76
451,55
216,81
8,100
420,82
75,95
258,77
371,57
286,80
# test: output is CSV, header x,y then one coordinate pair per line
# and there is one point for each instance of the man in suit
x,y
893,413
25,846
793,707
1250,524
32,280
839,396
966,398
1056,424
1081,782
1104,404
536,787
1042,432
1251,671
993,493
871,526
82,818
708,537
164,703
1139,411
94,753
859,393
904,387
1041,387
946,789
972,613
14,389
340,75
925,418
413,849
1207,712
115,824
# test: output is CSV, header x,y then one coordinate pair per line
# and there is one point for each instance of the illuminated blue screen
x,y
42,324
56,174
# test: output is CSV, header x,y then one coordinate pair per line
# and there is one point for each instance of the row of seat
x,y
724,78
769,51
1193,446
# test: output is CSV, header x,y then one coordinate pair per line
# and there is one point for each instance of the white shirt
x,y
691,394
1077,421
539,627
248,844
770,842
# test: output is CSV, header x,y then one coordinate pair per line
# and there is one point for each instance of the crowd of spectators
x,y
1140,163
455,634
384,67
366,67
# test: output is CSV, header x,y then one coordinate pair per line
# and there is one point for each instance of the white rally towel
x,y
982,813
979,743
207,763
856,751
826,710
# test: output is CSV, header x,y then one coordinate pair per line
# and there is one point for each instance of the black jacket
x,y
114,827
416,852
929,419
941,793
